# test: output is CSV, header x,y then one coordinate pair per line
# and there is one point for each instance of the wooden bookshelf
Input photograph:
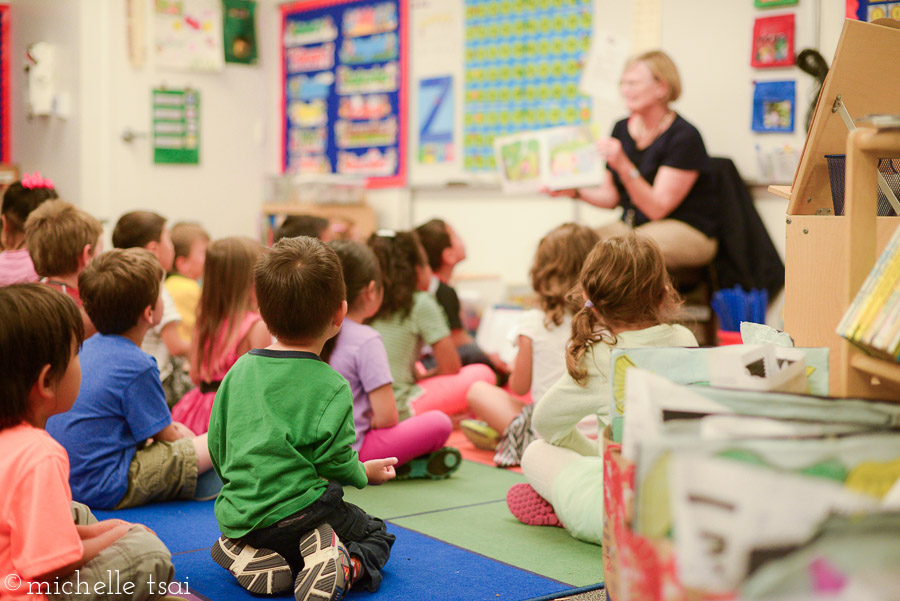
x,y
828,257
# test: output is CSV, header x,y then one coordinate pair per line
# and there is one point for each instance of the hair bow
x,y
34,180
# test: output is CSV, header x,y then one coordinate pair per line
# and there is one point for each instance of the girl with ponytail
x,y
541,336
626,301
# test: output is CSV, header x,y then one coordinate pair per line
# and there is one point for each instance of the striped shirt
x,y
403,337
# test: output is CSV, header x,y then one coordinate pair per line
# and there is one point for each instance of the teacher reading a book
x,y
657,168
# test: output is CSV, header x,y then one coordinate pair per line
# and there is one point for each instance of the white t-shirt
x,y
548,348
153,342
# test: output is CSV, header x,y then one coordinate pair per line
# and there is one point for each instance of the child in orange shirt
x,y
48,543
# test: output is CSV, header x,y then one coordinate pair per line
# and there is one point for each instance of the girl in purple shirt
x,y
358,354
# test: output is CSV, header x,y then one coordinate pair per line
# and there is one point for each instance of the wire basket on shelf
x,y
837,169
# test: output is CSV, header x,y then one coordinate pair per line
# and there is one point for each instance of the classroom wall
x,y
49,144
240,137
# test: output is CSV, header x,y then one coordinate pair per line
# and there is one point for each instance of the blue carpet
x,y
420,567
182,525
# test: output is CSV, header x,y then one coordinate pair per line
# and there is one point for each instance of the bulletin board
x,y
5,106
871,10
344,99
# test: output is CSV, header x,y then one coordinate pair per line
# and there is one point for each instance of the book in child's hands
x,y
557,158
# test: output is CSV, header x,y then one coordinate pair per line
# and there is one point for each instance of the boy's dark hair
x,y
434,238
399,253
137,229
184,234
117,286
302,225
56,233
299,287
19,202
38,326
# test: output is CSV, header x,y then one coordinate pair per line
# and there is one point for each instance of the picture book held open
x,y
557,158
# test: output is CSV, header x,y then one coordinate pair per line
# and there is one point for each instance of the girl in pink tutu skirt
x,y
228,325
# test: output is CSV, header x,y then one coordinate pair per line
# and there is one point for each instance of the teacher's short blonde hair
x,y
662,67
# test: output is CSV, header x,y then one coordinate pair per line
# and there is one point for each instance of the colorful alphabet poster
x,y
344,98
872,10
523,63
176,126
774,106
435,120
773,42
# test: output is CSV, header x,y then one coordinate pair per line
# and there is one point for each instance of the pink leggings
x,y
407,440
448,393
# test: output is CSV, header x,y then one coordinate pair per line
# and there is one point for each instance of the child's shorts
x,y
161,471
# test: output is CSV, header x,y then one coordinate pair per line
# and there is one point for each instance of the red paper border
x,y
770,25
6,82
392,181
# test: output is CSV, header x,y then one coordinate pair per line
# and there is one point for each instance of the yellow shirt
x,y
186,294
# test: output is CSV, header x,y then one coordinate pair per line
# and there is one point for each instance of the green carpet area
x,y
492,531
469,510
472,483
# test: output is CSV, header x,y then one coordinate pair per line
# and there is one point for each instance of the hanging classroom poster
x,y
435,120
344,98
176,126
188,35
769,3
773,106
523,69
239,31
872,10
773,42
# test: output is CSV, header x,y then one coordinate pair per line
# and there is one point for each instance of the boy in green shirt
x,y
280,436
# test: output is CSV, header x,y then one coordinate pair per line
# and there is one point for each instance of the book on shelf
x,y
872,320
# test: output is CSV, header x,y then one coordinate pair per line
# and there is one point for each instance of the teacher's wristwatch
x,y
633,173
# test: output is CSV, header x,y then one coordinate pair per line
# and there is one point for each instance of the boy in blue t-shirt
x,y
280,436
121,403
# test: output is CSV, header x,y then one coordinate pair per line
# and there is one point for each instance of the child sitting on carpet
x,y
228,325
541,336
47,542
19,200
444,250
305,225
121,402
62,239
409,317
280,436
143,229
189,241
627,300
358,354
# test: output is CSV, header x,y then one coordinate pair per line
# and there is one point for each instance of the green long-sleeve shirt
x,y
281,427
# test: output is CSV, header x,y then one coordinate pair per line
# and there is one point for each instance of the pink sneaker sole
x,y
529,507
